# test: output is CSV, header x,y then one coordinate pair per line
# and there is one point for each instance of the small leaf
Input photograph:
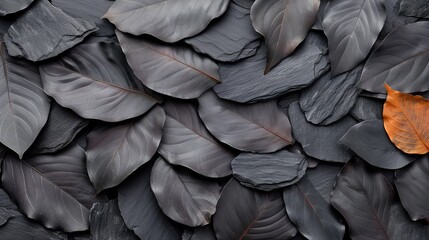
x,y
406,121
284,24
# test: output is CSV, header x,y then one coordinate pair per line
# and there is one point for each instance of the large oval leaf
x,y
406,121
114,152
168,20
243,213
187,142
412,183
24,106
284,24
8,7
92,80
402,61
366,200
175,71
369,141
259,127
183,197
53,189
352,26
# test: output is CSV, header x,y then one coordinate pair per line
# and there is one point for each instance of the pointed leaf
x,y
8,7
406,121
243,213
113,153
53,189
352,26
92,80
284,24
402,61
175,71
259,127
24,106
187,142
184,198
156,18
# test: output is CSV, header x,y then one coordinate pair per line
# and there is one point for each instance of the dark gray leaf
x,y
59,131
320,15
107,223
259,127
412,183
140,209
284,25
187,142
175,71
44,31
320,142
24,106
114,152
330,98
229,39
352,26
92,80
156,18
244,3
8,7
369,141
402,61
415,8
53,189
323,178
367,109
367,201
200,233
244,81
183,197
243,213
269,171
312,215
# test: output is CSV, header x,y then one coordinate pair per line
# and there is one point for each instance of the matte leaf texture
x,y
140,209
244,81
401,61
320,15
320,142
312,215
284,25
412,183
175,71
259,127
107,223
114,152
323,178
53,189
367,109
199,233
330,98
8,7
352,26
183,197
49,30
187,142
367,201
229,39
243,213
406,121
156,18
414,8
369,141
24,106
92,80
269,171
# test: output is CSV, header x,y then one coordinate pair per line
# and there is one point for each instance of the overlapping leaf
x,y
284,24
168,20
8,7
92,80
114,152
176,71
259,127
352,26
415,8
24,107
187,142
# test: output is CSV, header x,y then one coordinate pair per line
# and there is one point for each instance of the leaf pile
x,y
214,119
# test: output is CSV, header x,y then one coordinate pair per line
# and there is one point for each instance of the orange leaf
x,y
406,121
